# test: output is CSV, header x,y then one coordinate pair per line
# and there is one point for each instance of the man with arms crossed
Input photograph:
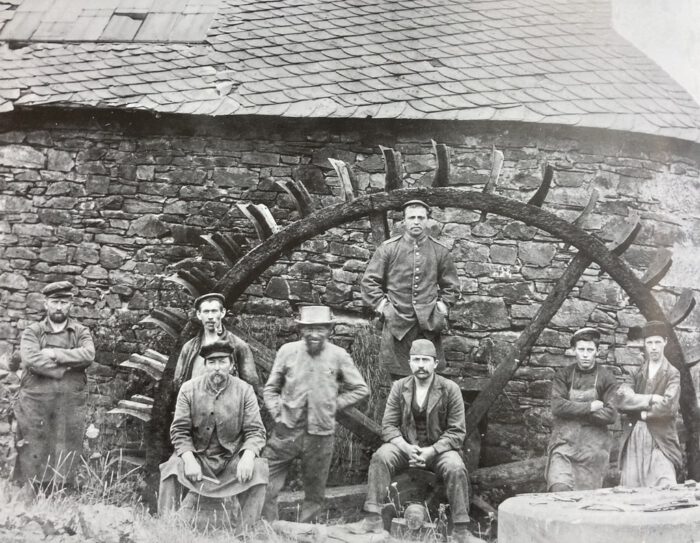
x,y
650,454
51,407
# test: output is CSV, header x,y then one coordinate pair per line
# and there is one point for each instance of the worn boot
x,y
461,534
372,523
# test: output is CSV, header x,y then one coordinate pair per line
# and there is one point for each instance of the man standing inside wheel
x,y
310,380
411,282
582,408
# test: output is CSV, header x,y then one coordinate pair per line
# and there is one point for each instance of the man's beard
x,y
58,317
314,349
218,379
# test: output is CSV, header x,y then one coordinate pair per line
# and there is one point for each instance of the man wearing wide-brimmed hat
x,y
650,454
411,282
210,311
583,395
310,380
50,409
217,434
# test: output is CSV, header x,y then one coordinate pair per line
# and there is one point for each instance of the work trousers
x,y
315,452
50,417
388,460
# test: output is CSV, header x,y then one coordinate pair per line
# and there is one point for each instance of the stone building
x,y
128,130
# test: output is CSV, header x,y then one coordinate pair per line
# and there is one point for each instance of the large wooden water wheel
x,y
274,242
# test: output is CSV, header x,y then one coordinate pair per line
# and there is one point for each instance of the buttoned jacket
x,y
307,391
411,275
446,425
233,412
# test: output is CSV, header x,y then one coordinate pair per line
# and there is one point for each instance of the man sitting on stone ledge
x,y
423,427
217,434
210,312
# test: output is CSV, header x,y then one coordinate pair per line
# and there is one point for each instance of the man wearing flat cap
x,y
210,311
310,381
411,282
51,407
423,427
650,454
583,396
217,434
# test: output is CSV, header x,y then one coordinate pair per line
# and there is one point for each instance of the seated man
x,y
423,427
217,434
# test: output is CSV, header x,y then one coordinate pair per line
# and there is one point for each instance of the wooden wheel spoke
x,y
224,244
442,158
497,158
541,193
658,268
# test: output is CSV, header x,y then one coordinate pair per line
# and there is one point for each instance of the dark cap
x,y
416,203
423,347
210,296
59,289
655,328
216,349
585,334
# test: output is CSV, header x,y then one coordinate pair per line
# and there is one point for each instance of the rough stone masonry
x,y
115,201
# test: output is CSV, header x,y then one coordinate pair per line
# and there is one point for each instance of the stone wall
x,y
116,201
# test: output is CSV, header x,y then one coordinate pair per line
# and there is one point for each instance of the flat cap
x,y
585,334
655,328
416,203
59,289
209,296
423,347
216,349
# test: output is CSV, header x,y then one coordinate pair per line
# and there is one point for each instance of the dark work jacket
x,y
412,275
244,364
661,417
446,425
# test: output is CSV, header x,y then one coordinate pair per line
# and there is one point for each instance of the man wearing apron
x,y
582,408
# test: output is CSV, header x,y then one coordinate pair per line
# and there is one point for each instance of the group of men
x,y
585,402
220,444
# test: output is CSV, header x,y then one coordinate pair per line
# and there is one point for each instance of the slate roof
x,y
544,61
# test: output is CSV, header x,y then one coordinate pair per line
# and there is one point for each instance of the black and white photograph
x,y
343,271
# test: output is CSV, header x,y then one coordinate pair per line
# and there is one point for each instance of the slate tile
x,y
120,28
22,26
